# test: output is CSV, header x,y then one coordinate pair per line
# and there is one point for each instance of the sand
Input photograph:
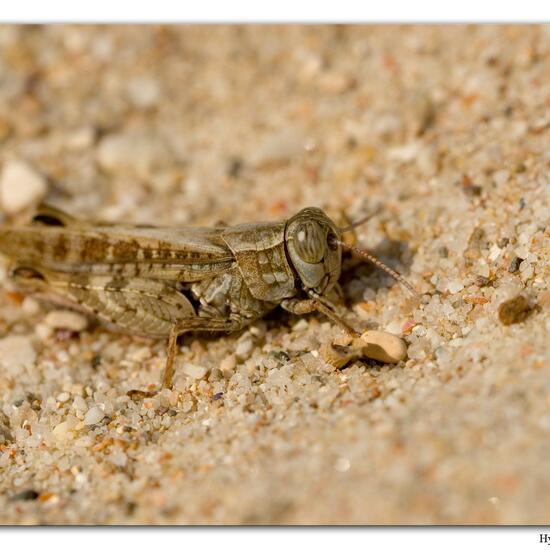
x,y
441,131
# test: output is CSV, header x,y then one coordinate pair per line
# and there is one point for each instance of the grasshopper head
x,y
312,243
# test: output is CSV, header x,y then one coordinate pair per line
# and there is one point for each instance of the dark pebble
x,y
473,190
514,265
217,396
27,494
514,311
280,356
482,281
63,334
443,252
235,167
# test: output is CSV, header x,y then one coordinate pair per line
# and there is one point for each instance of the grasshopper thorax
x,y
313,247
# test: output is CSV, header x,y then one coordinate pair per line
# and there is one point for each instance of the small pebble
x,y
482,280
476,300
342,465
16,351
132,153
383,346
302,324
80,139
494,252
62,430
143,92
455,286
80,404
522,252
514,311
140,354
93,416
68,320
30,306
228,364
20,186
243,349
279,147
43,331
63,397
514,265
194,371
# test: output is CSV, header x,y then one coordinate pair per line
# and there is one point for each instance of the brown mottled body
x,y
163,282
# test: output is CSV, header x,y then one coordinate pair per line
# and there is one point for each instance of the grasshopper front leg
x,y
321,305
186,325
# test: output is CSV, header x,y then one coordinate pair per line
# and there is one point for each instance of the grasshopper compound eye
x,y
309,242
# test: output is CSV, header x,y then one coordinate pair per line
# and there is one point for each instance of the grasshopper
x,y
162,282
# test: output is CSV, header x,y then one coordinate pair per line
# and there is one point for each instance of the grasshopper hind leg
x,y
187,325
168,373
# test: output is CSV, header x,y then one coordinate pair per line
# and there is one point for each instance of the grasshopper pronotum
x,y
162,282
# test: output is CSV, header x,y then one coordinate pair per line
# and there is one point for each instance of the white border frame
x,y
254,11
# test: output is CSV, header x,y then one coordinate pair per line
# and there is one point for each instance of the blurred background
x,y
187,123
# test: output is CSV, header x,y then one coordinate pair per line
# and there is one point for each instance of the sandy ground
x,y
445,130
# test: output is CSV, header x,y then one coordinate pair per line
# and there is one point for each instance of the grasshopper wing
x,y
61,243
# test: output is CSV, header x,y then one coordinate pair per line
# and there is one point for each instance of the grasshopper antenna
x,y
359,222
381,265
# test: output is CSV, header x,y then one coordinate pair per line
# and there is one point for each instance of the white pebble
x,y
43,331
80,139
501,177
132,153
395,327
79,404
342,465
93,416
228,364
522,252
140,355
455,286
279,147
63,397
143,92
302,324
483,269
30,306
194,371
68,320
16,351
62,430
384,346
494,252
20,186
416,351
405,153
243,349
